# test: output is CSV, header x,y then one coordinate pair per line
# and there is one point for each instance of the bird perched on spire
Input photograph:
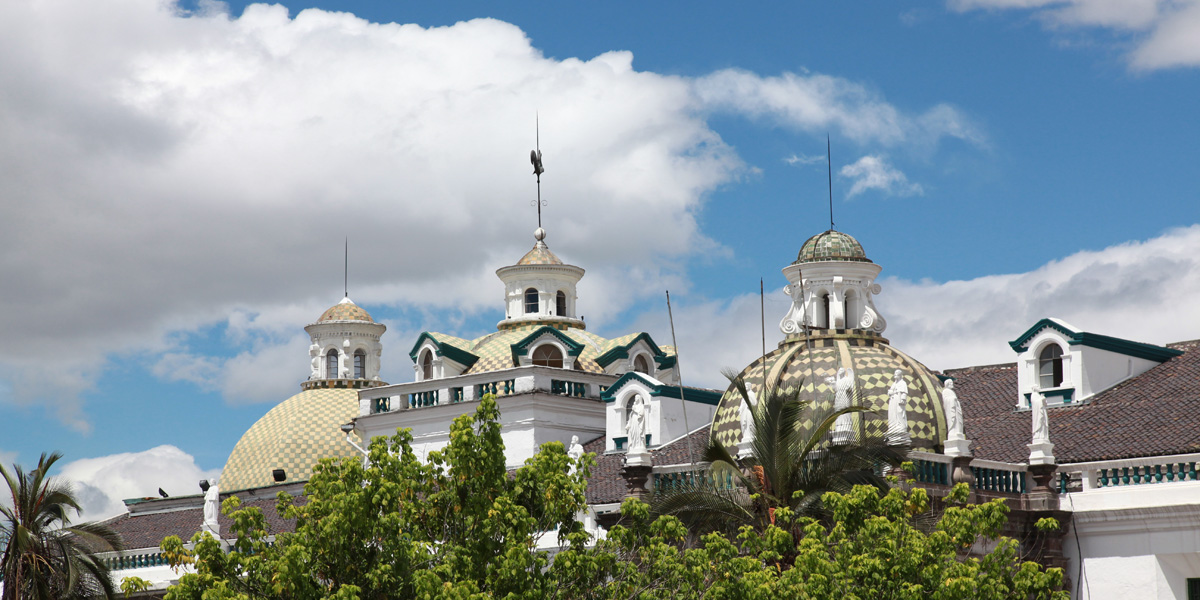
x,y
535,157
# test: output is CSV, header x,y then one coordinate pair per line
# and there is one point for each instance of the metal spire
x,y
535,157
829,164
346,269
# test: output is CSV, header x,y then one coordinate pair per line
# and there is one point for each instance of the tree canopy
x,y
460,526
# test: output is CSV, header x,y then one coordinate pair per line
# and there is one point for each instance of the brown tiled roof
x,y
606,484
1156,413
147,530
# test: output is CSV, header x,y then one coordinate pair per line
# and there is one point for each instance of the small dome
x,y
874,362
831,246
539,255
346,310
293,436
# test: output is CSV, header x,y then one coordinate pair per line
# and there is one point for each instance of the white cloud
x,y
1143,291
166,174
814,103
804,159
101,484
1164,33
874,173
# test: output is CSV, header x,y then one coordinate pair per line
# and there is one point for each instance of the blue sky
x,y
178,182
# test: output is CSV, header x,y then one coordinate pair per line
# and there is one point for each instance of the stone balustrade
x,y
1152,470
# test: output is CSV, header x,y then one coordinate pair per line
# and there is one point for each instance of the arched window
x,y
547,355
824,321
331,365
640,365
560,304
1050,367
360,364
426,365
531,301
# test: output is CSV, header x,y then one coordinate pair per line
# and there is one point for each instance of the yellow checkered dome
x,y
874,361
346,310
293,436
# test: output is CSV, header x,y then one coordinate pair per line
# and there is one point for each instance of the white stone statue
x,y
898,409
746,413
212,508
1041,424
635,426
575,451
953,409
315,352
843,389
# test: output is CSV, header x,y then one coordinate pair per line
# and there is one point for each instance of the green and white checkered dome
x,y
874,363
831,246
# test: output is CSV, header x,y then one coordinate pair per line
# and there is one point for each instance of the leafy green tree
x,y
456,526
45,555
871,550
461,527
789,466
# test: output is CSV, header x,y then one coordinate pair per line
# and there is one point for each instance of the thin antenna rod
x,y
829,164
687,430
346,270
762,311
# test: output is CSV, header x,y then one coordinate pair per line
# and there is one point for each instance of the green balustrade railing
x,y
927,471
423,399
999,480
568,388
1145,474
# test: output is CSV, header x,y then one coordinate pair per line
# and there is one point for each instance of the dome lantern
x,y
831,284
345,349
540,289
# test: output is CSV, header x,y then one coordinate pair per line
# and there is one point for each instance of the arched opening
x,y
331,365
547,355
531,300
426,365
823,318
360,364
560,304
641,365
1050,367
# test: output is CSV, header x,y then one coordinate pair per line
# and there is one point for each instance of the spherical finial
x,y
539,234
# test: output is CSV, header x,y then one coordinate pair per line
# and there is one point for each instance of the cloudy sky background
x,y
176,181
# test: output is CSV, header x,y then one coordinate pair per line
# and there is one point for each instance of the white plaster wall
x,y
526,422
1100,369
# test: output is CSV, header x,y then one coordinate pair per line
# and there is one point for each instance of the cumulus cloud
x,y
1163,33
101,484
167,173
815,103
874,173
1143,291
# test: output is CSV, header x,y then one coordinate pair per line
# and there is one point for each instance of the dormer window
x,y
1050,367
360,364
547,355
640,365
426,365
331,365
560,304
531,301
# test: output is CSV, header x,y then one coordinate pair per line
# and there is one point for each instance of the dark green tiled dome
x,y
831,246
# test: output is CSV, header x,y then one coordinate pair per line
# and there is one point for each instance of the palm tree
x,y
44,555
788,465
